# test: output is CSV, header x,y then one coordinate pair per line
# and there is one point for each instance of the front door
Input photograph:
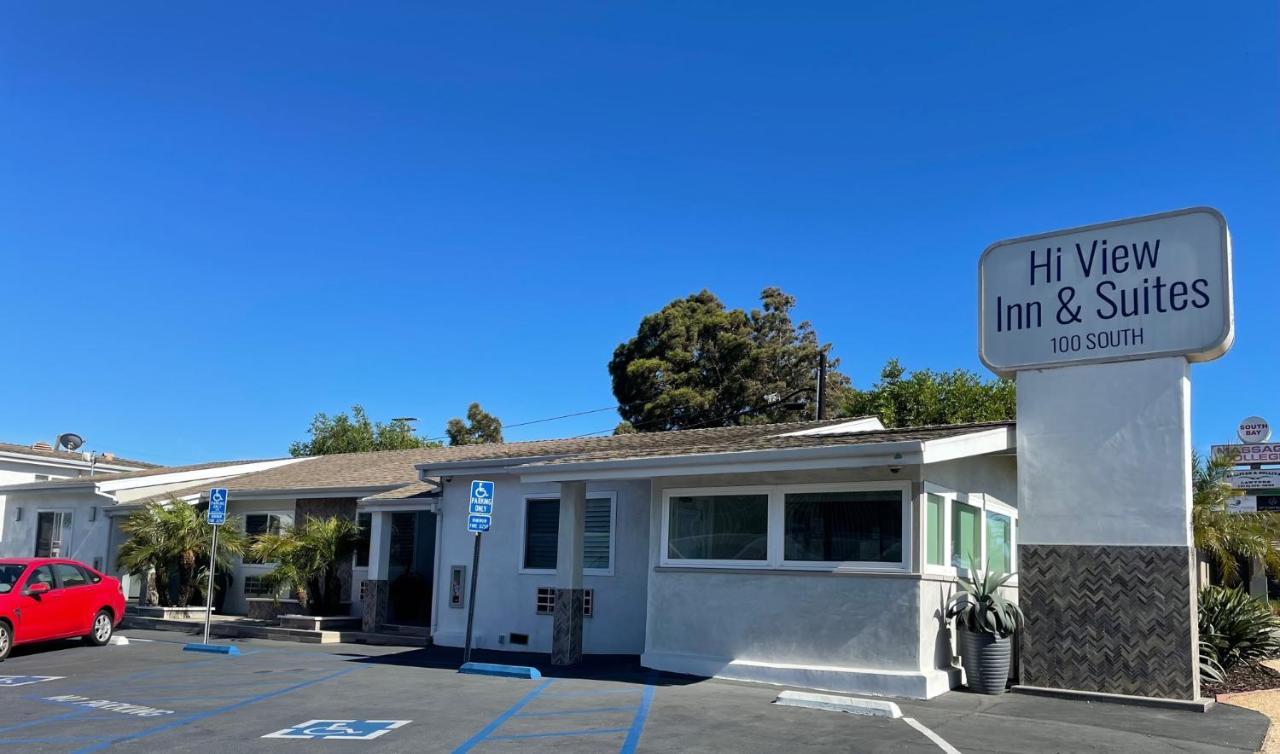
x,y
410,567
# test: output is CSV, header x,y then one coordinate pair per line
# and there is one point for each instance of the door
x,y
41,615
76,598
53,534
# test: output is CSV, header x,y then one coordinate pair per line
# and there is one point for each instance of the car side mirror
x,y
37,589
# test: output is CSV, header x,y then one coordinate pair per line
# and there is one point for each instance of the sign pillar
x,y
479,519
217,516
1098,325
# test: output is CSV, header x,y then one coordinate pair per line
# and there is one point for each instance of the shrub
x,y
1238,627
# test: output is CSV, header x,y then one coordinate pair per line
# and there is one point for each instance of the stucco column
x,y
377,589
566,641
1107,567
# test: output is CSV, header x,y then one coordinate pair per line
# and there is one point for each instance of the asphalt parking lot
x,y
279,696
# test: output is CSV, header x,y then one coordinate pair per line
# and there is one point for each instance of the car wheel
x,y
6,640
102,627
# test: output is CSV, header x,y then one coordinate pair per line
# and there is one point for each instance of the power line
x,y
540,421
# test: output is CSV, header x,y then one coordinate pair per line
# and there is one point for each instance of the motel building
x,y
817,554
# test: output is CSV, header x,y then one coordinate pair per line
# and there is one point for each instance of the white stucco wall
x,y
1104,454
994,475
849,632
506,598
88,538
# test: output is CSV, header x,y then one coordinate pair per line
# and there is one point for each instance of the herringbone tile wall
x,y
1114,619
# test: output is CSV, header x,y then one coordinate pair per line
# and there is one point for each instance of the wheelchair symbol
x,y
352,730
481,490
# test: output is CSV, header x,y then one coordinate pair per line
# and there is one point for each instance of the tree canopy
x,y
696,363
480,427
926,397
356,434
1224,536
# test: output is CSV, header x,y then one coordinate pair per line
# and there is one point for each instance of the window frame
x,y
984,503
775,555
591,495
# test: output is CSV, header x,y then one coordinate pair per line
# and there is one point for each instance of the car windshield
x,y
9,575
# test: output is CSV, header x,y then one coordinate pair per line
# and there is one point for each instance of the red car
x,y
55,598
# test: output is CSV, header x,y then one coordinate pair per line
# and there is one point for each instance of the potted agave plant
x,y
987,622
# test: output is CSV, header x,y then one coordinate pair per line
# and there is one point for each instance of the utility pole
x,y
822,385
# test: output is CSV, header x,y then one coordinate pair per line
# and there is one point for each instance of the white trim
x,y
591,495
775,555
976,443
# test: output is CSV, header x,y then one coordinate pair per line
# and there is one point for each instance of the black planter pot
x,y
986,659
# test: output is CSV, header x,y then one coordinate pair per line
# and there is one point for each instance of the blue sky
x,y
218,219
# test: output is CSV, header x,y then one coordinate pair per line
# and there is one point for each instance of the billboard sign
x,y
1141,288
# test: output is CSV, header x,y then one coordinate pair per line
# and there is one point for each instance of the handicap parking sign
x,y
481,492
26,680
217,513
351,730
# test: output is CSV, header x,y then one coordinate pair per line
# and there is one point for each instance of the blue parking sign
x,y
481,492
351,730
478,522
217,513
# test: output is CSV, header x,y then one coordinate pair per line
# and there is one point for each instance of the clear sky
x,y
217,219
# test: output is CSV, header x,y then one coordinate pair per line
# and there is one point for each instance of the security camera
x,y
894,469
448,479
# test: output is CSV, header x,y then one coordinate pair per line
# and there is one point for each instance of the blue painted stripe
x,y
211,713
53,740
637,725
576,711
44,720
567,694
470,743
587,732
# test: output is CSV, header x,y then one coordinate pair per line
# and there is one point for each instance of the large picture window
x,y
849,526
542,534
963,530
838,527
718,527
257,524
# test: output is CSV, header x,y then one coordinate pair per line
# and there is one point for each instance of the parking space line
x,y
44,720
637,724
934,737
586,732
470,743
603,692
556,713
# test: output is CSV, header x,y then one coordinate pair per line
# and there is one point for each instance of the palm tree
x,y
172,540
1224,536
307,557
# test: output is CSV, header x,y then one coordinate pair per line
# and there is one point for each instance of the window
x,y
840,527
257,524
42,477
365,521
69,575
935,505
966,535
718,527
253,587
41,575
53,533
542,533
999,542
9,575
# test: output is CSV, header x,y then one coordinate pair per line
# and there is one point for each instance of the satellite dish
x,y
70,441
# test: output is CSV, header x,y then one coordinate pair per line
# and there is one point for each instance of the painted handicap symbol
x,y
351,730
26,680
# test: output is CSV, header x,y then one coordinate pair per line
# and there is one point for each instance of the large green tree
x,y
480,427
926,397
356,434
1226,537
696,363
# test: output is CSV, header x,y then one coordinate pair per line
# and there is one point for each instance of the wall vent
x,y
520,639
546,601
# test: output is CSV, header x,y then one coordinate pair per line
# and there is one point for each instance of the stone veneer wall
x,y
327,507
1109,618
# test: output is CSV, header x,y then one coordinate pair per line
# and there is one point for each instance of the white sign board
x,y
1134,289
1260,453
1253,429
1254,479
1242,504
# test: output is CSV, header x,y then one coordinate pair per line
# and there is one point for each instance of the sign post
x,y
216,516
479,518
1098,325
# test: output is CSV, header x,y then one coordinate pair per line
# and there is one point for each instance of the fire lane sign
x,y
1141,288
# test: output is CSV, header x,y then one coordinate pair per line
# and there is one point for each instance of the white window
x,y
853,526
540,546
961,529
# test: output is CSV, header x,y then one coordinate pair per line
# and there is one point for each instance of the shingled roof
x,y
392,474
66,455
